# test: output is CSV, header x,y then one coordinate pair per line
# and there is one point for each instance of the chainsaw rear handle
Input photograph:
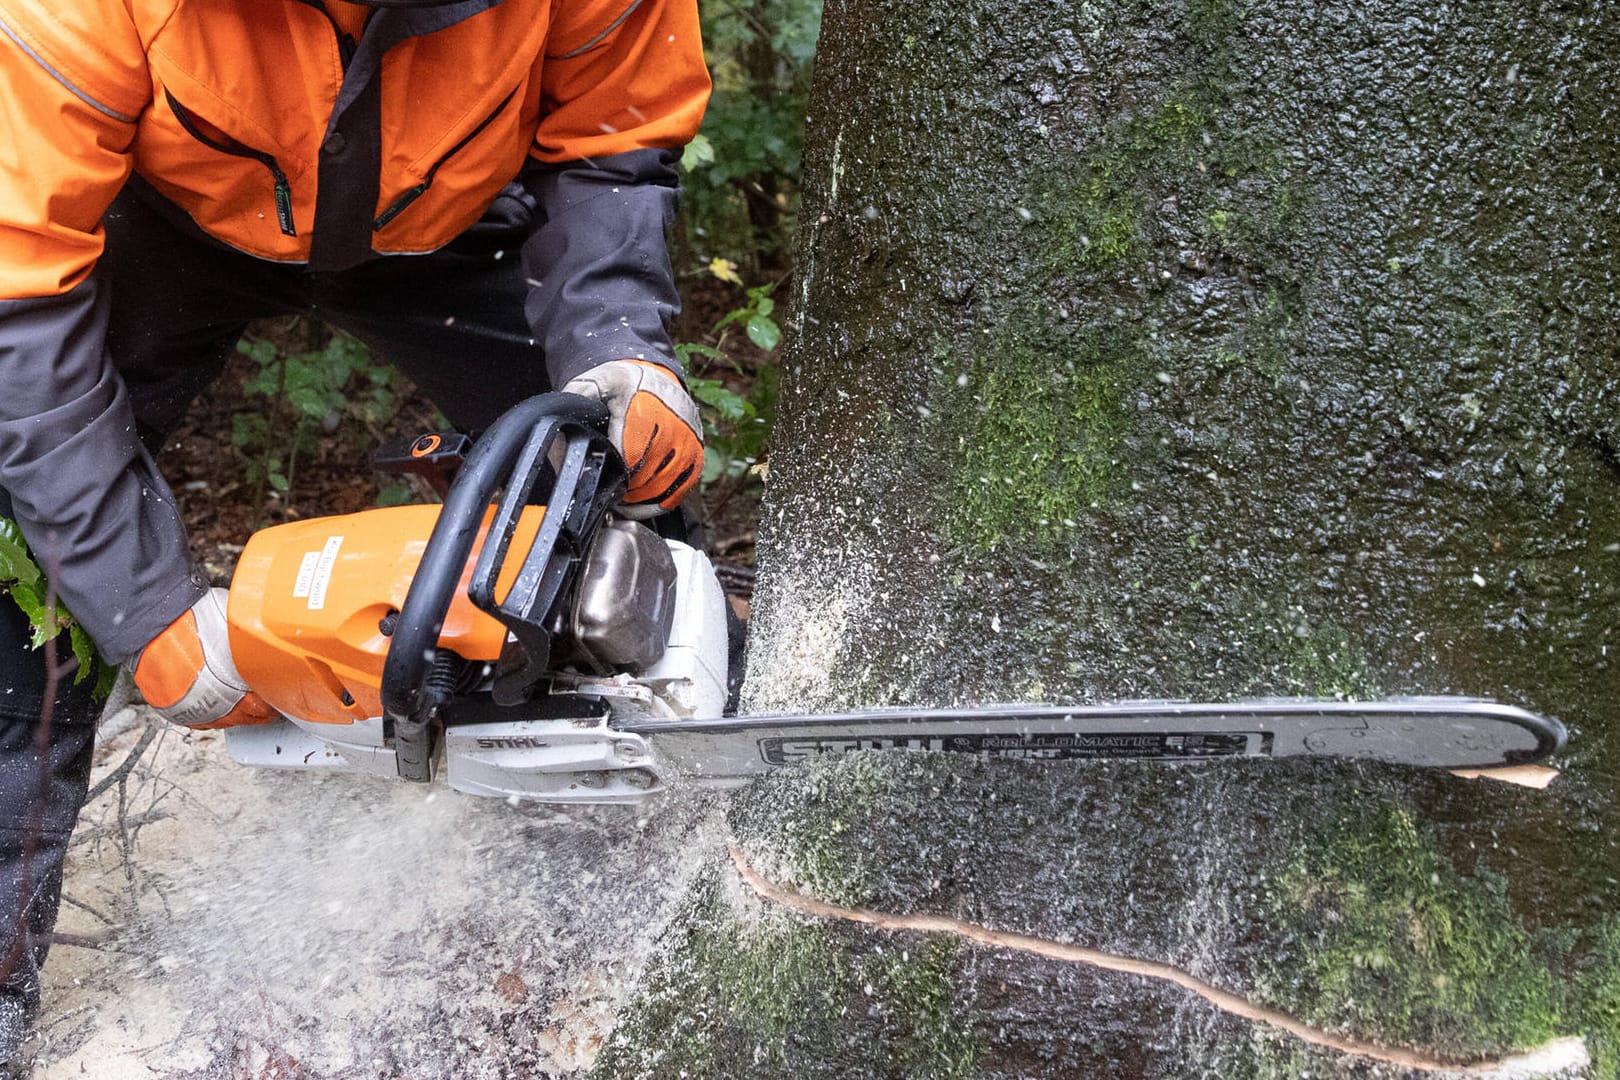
x,y
511,457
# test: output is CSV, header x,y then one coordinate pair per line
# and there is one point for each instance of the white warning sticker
x,y
306,574
323,573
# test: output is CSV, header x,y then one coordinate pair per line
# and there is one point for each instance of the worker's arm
x,y
623,89
97,515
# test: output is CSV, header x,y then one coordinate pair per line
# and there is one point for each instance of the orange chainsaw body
x,y
310,599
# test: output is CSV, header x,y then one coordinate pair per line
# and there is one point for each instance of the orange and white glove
x,y
186,672
655,426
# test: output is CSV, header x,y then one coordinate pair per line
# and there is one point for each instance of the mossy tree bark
x,y
1205,348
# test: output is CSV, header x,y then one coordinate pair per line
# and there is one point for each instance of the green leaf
x,y
15,563
713,393
249,431
708,352
84,651
265,383
20,576
277,481
395,494
106,677
32,603
262,352
312,403
764,332
715,465
698,153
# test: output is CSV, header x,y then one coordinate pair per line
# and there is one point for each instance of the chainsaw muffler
x,y
624,602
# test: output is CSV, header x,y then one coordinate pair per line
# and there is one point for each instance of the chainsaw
x,y
523,640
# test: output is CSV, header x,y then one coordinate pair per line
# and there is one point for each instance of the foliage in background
x,y
741,206
22,578
306,394
735,425
742,171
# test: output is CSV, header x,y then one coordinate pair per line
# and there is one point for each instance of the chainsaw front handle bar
x,y
511,457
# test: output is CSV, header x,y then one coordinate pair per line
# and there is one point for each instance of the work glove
x,y
655,427
186,672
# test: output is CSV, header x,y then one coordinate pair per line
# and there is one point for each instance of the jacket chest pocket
x,y
472,155
242,189
218,141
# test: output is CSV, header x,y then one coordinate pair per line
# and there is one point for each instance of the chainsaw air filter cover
x,y
624,604
313,602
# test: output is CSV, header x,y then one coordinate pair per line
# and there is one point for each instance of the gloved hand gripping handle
x,y
555,443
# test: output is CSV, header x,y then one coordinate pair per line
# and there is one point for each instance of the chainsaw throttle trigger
x,y
436,457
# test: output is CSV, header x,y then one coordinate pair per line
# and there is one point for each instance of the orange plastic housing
x,y
308,599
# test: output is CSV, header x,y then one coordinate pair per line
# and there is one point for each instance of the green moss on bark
x,y
726,991
1379,926
812,842
1055,386
1599,999
926,1018
737,990
1039,437
1306,658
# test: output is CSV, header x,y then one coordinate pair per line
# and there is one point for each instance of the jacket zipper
x,y
284,214
410,195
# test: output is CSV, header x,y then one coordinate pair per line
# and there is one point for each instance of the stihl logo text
x,y
511,742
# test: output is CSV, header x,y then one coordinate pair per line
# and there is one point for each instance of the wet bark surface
x,y
1167,349
1209,349
1365,903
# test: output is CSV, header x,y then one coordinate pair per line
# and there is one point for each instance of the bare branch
x,y
124,767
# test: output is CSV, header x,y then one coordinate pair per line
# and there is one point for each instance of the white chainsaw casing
x,y
691,675
299,744
550,760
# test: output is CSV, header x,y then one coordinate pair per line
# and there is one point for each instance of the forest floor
x,y
223,923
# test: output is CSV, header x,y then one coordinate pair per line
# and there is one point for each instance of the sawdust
x,y
796,637
323,927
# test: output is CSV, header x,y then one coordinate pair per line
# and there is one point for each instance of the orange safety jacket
x,y
283,137
281,134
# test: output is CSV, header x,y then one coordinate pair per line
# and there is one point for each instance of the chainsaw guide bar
x,y
1433,732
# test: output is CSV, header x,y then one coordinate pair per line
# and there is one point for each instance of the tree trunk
x,y
1198,349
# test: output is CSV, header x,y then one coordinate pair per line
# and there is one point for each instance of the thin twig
x,y
122,829
125,843
82,941
104,942
162,787
125,766
82,906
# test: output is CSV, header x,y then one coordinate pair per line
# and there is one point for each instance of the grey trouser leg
x,y
40,797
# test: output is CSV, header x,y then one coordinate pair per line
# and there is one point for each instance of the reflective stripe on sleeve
x,y
74,90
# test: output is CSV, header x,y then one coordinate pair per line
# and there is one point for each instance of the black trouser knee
x,y
44,775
